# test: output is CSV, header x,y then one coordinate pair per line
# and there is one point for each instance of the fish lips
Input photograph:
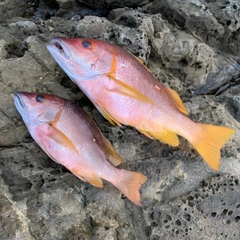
x,y
19,101
57,48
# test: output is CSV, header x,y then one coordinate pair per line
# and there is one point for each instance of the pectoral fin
x,y
178,100
112,155
59,137
107,115
164,136
92,178
127,90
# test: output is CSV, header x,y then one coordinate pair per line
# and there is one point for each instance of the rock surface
x,y
191,46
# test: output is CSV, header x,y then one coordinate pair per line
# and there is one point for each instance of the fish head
x,y
38,108
82,59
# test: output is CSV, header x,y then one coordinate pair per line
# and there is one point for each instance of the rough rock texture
x,y
113,3
184,44
214,22
9,10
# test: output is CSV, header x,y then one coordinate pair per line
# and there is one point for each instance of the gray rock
x,y
75,9
215,22
134,39
9,9
182,198
203,68
92,27
132,31
116,13
203,213
26,26
3,51
114,3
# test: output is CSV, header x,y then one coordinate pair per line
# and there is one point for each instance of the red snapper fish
x,y
125,91
68,136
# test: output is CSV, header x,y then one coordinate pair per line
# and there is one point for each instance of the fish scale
x,y
125,92
69,137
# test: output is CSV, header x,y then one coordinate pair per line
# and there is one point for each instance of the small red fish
x,y
69,137
125,91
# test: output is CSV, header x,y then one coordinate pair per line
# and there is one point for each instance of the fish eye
x,y
86,44
39,98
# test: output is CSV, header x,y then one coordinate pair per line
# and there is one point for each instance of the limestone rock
x,y
114,3
182,197
11,8
215,22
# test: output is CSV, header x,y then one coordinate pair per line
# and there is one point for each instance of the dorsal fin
x,y
178,101
111,153
92,178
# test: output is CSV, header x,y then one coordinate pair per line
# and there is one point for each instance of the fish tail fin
x,y
129,183
208,142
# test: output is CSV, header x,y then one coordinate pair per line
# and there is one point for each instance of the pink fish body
x,y
69,137
125,91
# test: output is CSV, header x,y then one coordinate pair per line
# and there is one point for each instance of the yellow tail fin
x,y
208,142
129,184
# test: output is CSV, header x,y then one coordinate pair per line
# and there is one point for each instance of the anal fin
x,y
168,137
178,101
164,136
111,153
146,133
92,178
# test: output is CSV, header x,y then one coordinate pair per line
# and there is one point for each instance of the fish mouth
x,y
57,46
18,100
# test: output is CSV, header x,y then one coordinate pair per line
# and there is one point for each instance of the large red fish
x,y
69,137
125,91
